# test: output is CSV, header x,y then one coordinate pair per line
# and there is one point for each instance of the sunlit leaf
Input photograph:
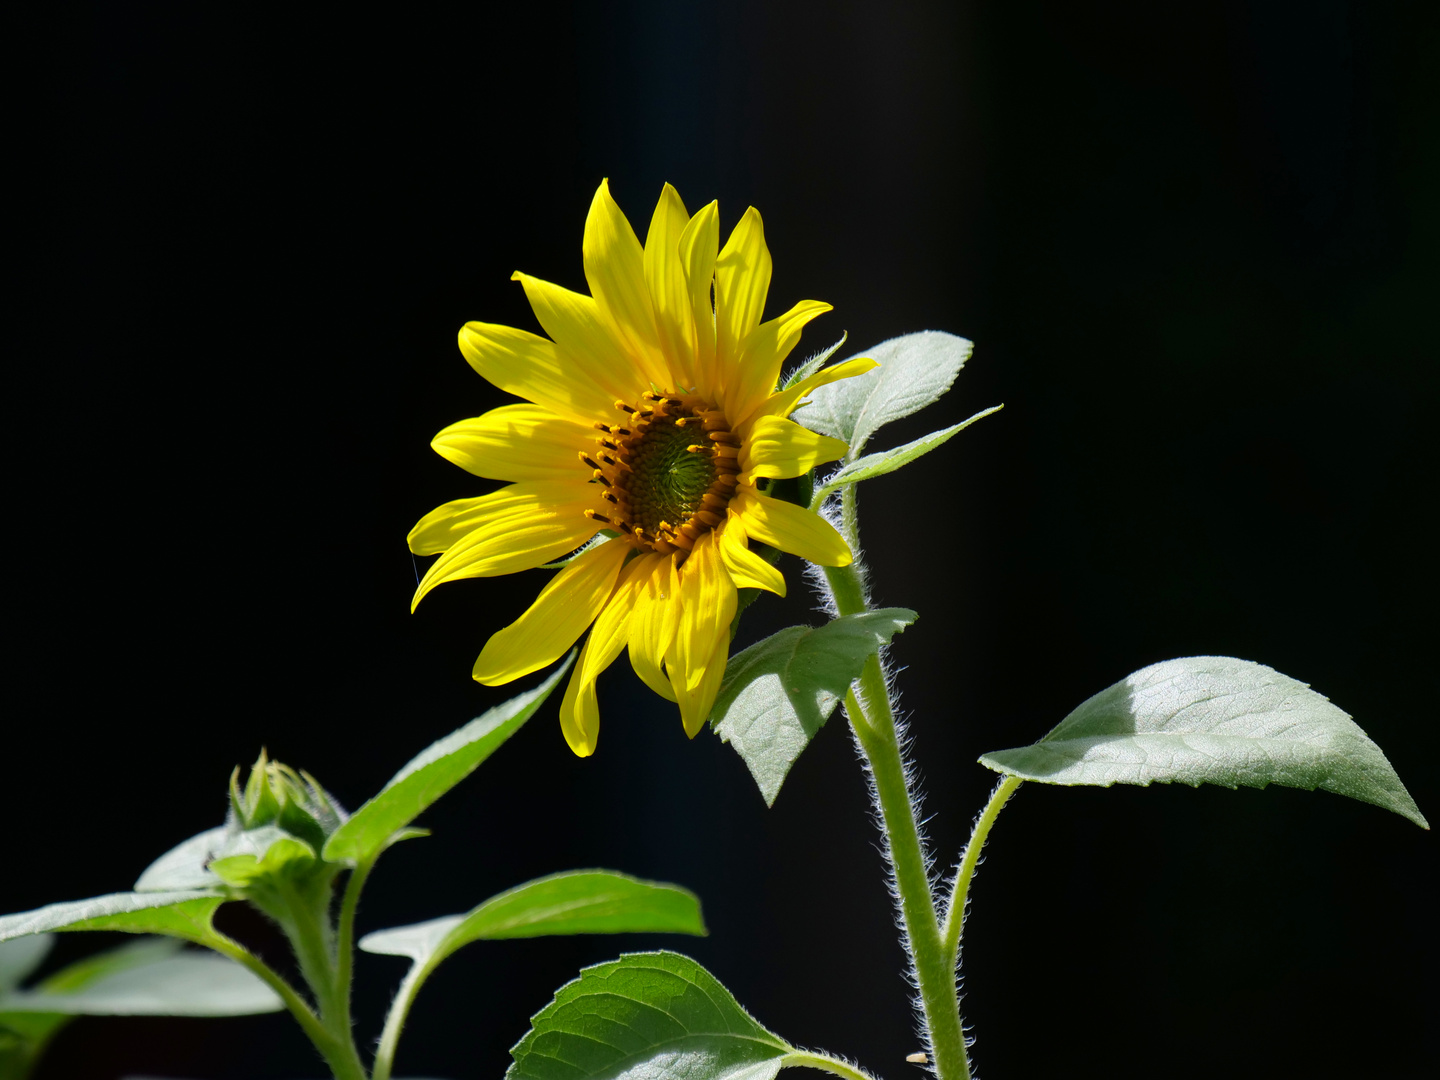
x,y
19,959
778,693
182,914
1212,720
148,978
576,902
185,865
887,461
914,371
646,1016
432,773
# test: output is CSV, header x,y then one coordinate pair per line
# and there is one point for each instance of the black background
x,y
1195,247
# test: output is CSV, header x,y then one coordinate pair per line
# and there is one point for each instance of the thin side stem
x,y
960,890
825,1063
334,1053
345,940
395,1019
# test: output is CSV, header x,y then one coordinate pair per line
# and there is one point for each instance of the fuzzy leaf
x,y
646,1016
432,773
1211,720
185,866
149,978
887,461
20,958
778,693
814,364
175,914
577,902
914,371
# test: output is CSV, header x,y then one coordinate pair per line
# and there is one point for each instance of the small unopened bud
x,y
276,794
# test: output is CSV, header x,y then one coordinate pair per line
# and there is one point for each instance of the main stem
x,y
874,724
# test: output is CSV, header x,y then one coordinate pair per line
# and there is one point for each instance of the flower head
x,y
651,425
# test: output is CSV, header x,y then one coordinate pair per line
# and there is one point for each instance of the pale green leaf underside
x,y
185,866
576,902
432,773
1211,720
814,364
914,371
777,694
646,1016
183,914
20,958
887,461
150,978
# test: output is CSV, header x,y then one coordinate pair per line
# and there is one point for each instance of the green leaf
x,y
148,978
887,461
179,914
646,1016
576,902
185,865
19,959
431,774
814,364
778,693
1211,720
914,371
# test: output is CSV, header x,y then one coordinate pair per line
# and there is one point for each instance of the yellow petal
x,y
702,639
761,355
790,528
707,605
782,448
580,710
669,291
528,366
449,523
742,278
747,569
652,624
529,524
559,615
586,343
699,244
785,402
702,699
611,631
615,269
517,442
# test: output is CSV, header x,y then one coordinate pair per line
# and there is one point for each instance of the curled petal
x,y
791,528
782,448
559,615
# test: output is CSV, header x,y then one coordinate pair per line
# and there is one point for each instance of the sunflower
x,y
650,426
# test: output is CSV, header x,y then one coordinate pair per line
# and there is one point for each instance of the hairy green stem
x,y
345,944
960,890
874,724
825,1063
399,1011
338,1054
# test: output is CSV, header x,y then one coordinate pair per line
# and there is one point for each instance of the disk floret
x,y
669,470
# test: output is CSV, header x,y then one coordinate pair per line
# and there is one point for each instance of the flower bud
x,y
275,794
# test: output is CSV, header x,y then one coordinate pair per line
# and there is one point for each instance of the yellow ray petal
x,y
699,244
530,367
451,522
762,354
611,631
782,448
652,625
742,278
580,710
669,291
586,342
707,604
559,615
790,528
695,707
747,569
534,526
785,402
517,442
615,269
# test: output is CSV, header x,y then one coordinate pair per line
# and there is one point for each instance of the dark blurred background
x,y
1195,247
